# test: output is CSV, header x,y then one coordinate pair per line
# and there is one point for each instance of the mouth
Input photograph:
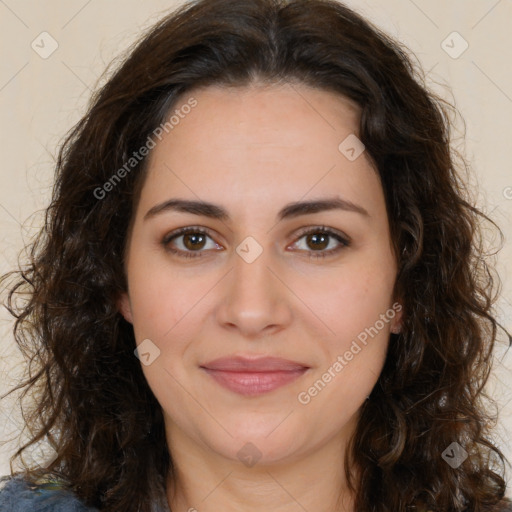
x,y
252,377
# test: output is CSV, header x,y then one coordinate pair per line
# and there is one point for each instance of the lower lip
x,y
254,383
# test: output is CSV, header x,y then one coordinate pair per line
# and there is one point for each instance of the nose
x,y
255,302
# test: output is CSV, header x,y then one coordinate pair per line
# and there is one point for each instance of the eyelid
x,y
188,229
323,229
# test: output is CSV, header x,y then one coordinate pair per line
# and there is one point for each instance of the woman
x,y
260,285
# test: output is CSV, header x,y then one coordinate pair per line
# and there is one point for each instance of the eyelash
x,y
345,242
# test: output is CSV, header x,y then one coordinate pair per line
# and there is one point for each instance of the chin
x,y
264,445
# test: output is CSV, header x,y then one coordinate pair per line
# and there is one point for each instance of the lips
x,y
261,364
250,377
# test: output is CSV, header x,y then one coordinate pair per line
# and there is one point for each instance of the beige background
x,y
41,98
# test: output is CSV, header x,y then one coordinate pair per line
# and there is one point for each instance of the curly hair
x,y
94,405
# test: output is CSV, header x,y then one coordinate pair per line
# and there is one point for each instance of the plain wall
x,y
41,98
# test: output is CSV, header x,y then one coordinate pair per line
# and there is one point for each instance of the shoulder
x,y
18,495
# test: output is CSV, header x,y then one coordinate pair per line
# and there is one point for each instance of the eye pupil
x,y
320,241
196,240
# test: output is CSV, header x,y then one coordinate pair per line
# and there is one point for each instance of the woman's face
x,y
265,276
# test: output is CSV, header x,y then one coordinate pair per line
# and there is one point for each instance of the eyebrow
x,y
290,211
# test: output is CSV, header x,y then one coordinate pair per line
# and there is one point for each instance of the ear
x,y
396,322
124,306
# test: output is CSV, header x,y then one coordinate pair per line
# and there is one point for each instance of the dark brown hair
x,y
94,404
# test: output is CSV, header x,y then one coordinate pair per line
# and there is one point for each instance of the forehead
x,y
253,141
271,114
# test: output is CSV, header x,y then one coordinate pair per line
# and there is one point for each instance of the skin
x,y
253,150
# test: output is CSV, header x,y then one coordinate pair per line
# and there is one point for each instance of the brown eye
x,y
189,242
194,241
318,239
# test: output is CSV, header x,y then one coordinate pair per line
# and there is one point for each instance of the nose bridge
x,y
253,283
251,275
254,299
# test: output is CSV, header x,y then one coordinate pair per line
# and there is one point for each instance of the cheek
x,y
352,303
168,309
161,297
355,350
353,298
